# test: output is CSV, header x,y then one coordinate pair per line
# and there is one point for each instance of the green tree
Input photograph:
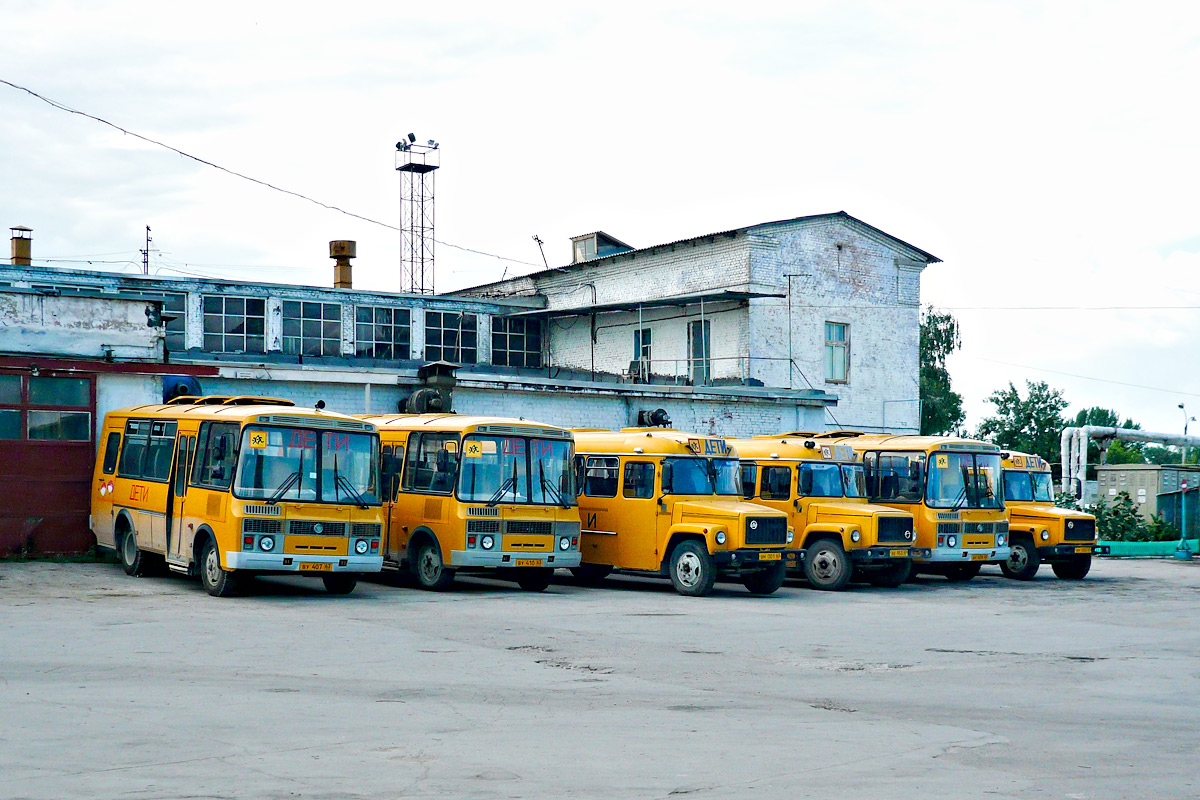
x,y
1032,424
941,406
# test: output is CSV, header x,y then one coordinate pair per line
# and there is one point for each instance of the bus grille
x,y
483,511
1080,530
265,511
766,530
305,527
273,526
895,529
948,527
483,526
366,529
528,526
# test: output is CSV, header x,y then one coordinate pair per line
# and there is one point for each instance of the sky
x,y
1046,152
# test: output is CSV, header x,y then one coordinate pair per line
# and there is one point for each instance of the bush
x,y
1119,521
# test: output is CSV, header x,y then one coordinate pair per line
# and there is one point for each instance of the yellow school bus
x,y
477,494
822,489
663,502
950,486
1039,531
230,487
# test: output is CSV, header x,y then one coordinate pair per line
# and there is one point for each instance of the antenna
x,y
416,164
146,253
541,249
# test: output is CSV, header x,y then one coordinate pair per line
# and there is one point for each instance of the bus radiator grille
x,y
528,526
304,527
766,530
1080,530
895,529
271,526
483,526
366,529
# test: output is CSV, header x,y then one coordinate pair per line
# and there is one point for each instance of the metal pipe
x,y
1074,444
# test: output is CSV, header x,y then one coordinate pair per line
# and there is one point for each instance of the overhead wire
x,y
1086,377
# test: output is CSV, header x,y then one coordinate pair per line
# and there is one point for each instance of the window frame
x,y
413,450
201,461
832,348
224,314
787,482
300,342
458,352
504,354
625,482
609,463
371,346
700,366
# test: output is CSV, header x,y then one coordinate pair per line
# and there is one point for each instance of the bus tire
x,y
431,572
892,577
692,571
1074,570
1022,562
959,573
339,584
591,574
826,565
765,581
132,558
534,579
217,581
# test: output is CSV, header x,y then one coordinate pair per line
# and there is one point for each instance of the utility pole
x,y
541,249
146,257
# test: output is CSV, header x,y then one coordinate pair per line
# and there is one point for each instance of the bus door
x,y
393,461
600,482
185,447
643,524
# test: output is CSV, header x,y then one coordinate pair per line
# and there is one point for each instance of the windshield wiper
x,y
504,487
342,482
296,478
549,488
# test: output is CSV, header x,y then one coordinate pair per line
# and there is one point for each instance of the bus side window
x,y
639,479
432,463
111,448
600,478
776,483
393,461
181,462
133,455
872,474
214,462
749,480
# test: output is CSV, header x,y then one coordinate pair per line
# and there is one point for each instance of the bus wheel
x,y
591,574
430,569
826,565
534,579
1022,562
962,572
1074,570
890,577
132,558
765,581
217,582
339,584
692,570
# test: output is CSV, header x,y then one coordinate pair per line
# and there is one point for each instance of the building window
x,y
837,352
700,351
382,332
174,309
516,342
451,336
312,329
234,324
642,341
45,408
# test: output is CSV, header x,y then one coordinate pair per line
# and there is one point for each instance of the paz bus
x,y
662,502
1041,532
231,487
822,489
477,494
950,486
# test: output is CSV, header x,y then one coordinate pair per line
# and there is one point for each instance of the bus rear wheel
x,y
217,581
534,579
961,572
430,570
591,574
1074,570
826,565
1022,562
132,558
691,568
339,584
765,581
891,577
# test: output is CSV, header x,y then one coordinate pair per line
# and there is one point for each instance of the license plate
x,y
316,566
897,554
769,556
980,557
1083,549
528,562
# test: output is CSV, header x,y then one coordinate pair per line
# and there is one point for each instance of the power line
x,y
1087,377
69,110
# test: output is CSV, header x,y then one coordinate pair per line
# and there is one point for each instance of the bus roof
x,y
651,441
887,441
792,447
243,412
1015,460
465,423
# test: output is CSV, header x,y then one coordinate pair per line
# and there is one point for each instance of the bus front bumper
x,y
483,558
751,558
315,565
1065,552
883,556
946,555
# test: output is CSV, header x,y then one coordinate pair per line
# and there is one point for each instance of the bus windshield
x,y
963,480
307,465
1028,486
702,476
516,469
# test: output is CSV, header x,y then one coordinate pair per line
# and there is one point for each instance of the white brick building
x,y
822,303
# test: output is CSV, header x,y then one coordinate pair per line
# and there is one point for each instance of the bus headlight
x,y
1001,539
855,536
266,544
790,536
720,537
564,543
361,547
487,542
951,541
1045,535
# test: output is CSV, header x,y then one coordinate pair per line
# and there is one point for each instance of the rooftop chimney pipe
x,y
341,252
22,246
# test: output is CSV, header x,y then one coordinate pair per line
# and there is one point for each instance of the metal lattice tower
x,y
417,164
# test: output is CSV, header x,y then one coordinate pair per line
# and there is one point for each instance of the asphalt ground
x,y
112,687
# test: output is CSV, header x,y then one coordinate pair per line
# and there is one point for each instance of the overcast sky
x,y
1047,152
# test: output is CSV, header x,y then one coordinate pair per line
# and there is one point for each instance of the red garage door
x,y
46,458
